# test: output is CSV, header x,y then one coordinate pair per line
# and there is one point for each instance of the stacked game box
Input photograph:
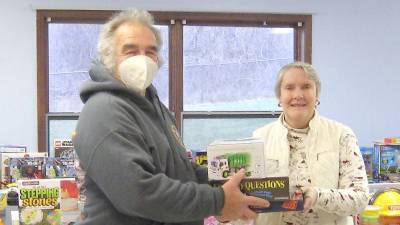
x,y
227,157
12,164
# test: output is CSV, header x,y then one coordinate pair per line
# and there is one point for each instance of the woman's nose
x,y
298,94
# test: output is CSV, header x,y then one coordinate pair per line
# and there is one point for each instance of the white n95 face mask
x,y
137,72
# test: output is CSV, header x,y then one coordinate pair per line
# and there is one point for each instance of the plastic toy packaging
x,y
370,215
389,159
226,157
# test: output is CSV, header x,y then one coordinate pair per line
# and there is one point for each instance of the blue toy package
x,y
57,167
389,159
368,157
199,156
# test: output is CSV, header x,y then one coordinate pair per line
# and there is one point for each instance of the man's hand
x,y
236,204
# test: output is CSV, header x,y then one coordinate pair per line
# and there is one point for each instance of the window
x,y
233,68
217,78
59,126
72,48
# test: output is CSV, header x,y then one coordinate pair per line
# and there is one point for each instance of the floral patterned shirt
x,y
342,201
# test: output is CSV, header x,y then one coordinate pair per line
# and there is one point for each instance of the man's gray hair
x,y
306,67
106,46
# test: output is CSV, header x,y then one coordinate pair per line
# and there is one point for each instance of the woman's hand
x,y
310,197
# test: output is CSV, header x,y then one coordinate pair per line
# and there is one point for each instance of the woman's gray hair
x,y
106,46
308,69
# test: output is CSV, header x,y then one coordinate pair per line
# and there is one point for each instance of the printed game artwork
x,y
56,167
229,156
200,157
63,148
368,154
7,166
25,168
274,189
48,201
389,159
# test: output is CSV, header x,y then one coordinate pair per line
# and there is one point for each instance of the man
x,y
136,168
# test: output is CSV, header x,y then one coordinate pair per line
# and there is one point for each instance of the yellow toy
x,y
389,199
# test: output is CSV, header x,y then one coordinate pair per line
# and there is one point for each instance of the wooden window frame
x,y
301,22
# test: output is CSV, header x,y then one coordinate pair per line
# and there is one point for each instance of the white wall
x,y
355,49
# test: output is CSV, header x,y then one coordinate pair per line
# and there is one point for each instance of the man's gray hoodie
x,y
137,171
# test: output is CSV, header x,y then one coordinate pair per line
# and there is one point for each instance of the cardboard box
x,y
12,148
228,156
273,189
56,167
368,157
5,163
387,158
63,148
48,201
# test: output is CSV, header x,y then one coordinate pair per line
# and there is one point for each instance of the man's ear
x,y
160,61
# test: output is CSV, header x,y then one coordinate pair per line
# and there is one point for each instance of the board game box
x,y
48,201
5,163
274,189
63,148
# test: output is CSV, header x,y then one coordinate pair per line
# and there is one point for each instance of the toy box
x,y
275,190
48,201
387,159
5,162
391,140
63,148
12,148
56,167
199,157
368,157
229,156
25,168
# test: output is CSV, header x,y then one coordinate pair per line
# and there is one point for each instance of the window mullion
x,y
42,78
176,70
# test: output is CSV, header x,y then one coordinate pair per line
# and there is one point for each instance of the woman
x,y
320,156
